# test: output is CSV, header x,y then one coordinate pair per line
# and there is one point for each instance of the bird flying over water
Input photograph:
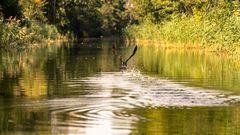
x,y
124,63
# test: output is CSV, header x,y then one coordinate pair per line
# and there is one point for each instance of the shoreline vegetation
x,y
175,36
14,36
23,24
212,24
206,24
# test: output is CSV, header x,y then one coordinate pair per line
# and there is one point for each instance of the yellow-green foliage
x,y
216,28
144,31
12,34
205,22
30,28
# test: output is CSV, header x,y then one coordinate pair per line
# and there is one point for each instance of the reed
x,y
218,29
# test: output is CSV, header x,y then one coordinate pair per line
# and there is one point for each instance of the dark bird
x,y
124,63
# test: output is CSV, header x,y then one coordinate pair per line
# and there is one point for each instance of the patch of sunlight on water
x,y
149,91
105,109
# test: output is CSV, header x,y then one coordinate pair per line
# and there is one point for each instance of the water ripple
x,y
106,108
144,91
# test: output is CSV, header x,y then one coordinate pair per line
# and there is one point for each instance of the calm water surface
x,y
78,89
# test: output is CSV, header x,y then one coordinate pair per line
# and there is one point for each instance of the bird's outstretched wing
x,y
134,51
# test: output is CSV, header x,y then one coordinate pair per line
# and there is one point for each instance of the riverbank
x,y
217,29
233,52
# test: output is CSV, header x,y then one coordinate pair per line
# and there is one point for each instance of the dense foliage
x,y
23,23
26,21
88,18
204,22
207,22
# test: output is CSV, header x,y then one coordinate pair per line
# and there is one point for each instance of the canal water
x,y
78,88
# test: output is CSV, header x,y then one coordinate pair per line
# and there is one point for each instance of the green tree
x,y
114,16
75,16
89,18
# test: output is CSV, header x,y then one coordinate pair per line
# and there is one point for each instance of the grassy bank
x,y
218,29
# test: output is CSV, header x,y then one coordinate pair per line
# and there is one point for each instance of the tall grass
x,y
217,28
13,34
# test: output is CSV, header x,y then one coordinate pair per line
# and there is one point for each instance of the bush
x,y
28,28
12,34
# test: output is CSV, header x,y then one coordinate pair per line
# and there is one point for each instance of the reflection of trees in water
x,y
23,119
21,72
197,120
41,71
197,67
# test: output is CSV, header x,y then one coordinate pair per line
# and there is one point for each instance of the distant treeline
x,y
27,21
88,18
82,18
204,22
